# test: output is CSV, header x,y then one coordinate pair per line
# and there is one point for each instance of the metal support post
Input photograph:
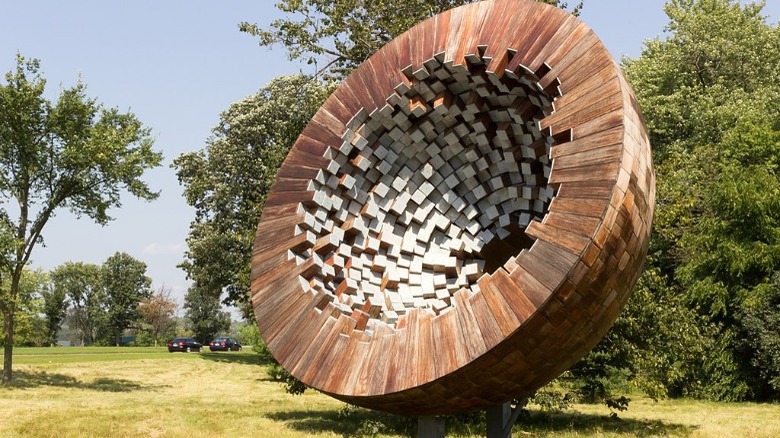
x,y
430,427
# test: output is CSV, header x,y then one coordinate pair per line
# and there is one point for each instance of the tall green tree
x,y
55,306
126,286
227,181
761,319
73,153
30,327
204,311
83,286
341,34
710,93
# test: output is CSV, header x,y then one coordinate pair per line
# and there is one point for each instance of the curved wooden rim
x,y
529,322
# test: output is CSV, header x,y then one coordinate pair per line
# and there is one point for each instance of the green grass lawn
x,y
147,392
35,356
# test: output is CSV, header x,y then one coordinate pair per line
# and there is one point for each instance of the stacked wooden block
x,y
417,188
367,276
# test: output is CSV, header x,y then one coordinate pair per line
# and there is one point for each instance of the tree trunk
x,y
8,326
8,331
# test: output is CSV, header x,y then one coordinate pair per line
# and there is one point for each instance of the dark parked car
x,y
224,344
184,344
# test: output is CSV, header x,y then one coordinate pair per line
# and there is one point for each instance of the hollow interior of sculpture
x,y
428,192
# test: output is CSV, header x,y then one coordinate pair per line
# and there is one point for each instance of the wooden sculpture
x,y
462,219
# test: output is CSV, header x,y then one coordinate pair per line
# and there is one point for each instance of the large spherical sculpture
x,y
462,219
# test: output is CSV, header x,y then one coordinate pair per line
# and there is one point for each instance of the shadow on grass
x,y
540,423
235,357
36,379
358,422
349,422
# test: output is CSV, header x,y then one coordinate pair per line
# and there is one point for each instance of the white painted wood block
x,y
441,222
439,306
452,181
539,206
389,317
479,192
546,193
502,233
418,109
524,219
400,203
484,221
402,88
496,183
359,142
418,197
491,213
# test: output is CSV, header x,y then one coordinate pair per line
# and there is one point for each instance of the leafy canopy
x,y
126,286
205,314
710,93
74,154
344,33
83,287
227,181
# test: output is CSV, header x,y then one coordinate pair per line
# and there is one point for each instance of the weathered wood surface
x,y
349,292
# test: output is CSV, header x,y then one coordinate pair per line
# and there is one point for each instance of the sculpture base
x,y
499,418
499,421
430,427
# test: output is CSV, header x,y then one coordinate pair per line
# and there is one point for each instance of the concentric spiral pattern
x,y
462,219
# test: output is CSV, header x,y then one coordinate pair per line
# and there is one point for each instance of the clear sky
x,y
177,64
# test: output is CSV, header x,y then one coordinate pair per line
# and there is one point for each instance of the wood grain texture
x,y
444,136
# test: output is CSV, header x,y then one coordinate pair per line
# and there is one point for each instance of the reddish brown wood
x,y
366,310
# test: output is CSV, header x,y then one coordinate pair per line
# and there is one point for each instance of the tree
x,y
710,93
82,285
126,285
228,180
346,32
73,154
158,311
55,306
761,319
203,309
30,328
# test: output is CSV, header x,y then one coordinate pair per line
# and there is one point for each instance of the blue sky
x,y
177,64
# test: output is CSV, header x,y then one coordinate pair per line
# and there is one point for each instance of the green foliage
x,y
344,33
553,397
54,309
761,320
372,423
248,334
73,154
83,286
30,329
228,180
292,385
617,404
205,314
710,93
126,286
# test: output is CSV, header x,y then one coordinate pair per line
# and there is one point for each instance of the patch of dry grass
x,y
212,394
229,394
